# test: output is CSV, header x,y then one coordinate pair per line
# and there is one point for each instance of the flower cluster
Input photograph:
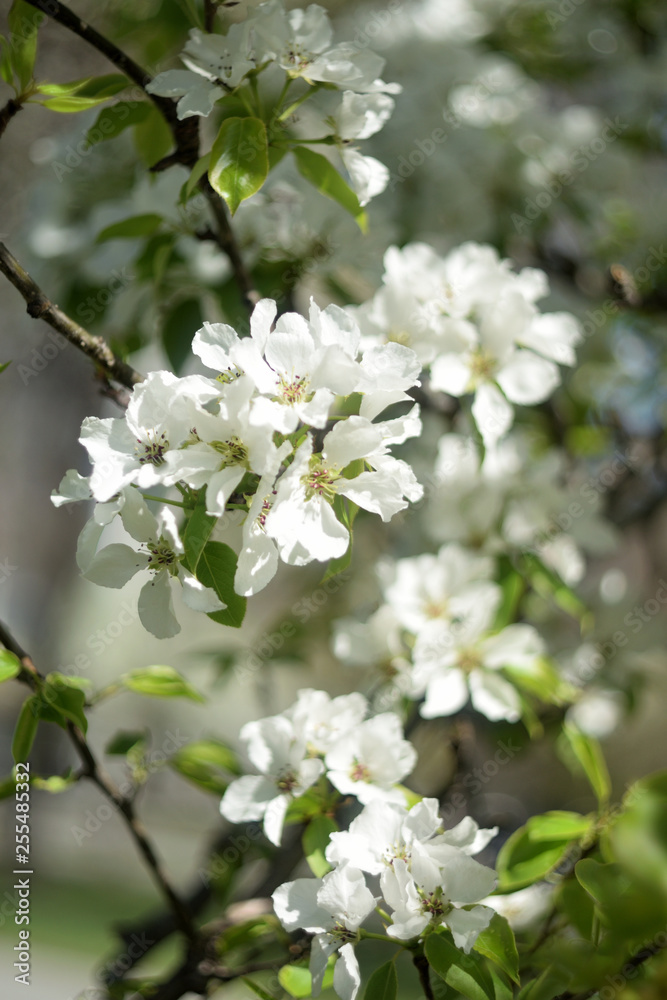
x,y
246,438
298,42
475,323
435,637
425,876
318,736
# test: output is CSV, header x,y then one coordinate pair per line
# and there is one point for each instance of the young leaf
x,y
9,665
257,990
153,137
315,842
216,568
497,943
160,682
317,169
95,87
523,859
239,160
113,120
136,225
23,21
198,171
383,984
296,979
550,984
26,729
177,326
464,973
63,695
121,744
207,763
197,532
5,366
588,755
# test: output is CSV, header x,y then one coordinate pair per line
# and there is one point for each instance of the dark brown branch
x,y
421,964
31,676
210,10
11,108
185,133
40,307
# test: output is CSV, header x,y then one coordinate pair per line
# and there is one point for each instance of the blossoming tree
x,y
312,396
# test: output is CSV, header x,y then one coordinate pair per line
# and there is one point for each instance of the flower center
x,y
151,451
360,772
230,375
295,391
295,58
482,367
233,451
162,556
432,902
469,659
287,781
399,337
319,481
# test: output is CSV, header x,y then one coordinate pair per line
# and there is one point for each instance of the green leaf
x,y
131,228
628,903
10,665
464,973
383,984
560,825
239,160
529,855
588,755
257,990
216,568
153,137
198,171
5,366
6,71
550,984
207,763
177,326
64,695
638,836
7,787
54,784
112,121
339,565
160,682
497,943
296,979
318,171
26,729
197,532
122,742
315,842
97,87
23,21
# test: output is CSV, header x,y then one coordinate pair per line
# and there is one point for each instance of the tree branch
x,y
421,964
31,676
185,133
11,108
643,955
40,307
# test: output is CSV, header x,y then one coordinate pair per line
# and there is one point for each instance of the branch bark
x,y
41,307
11,108
31,676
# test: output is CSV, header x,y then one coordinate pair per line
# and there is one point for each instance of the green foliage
x,y
383,984
10,665
131,228
197,532
216,568
321,174
583,753
160,682
637,837
535,849
26,730
4,366
123,742
63,695
81,95
239,160
464,973
497,944
315,841
113,120
18,61
207,764
297,981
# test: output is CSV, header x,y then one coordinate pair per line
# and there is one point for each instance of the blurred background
x,y
538,127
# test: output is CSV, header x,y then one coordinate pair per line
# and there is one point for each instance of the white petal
x,y
247,798
527,379
347,978
296,906
114,565
197,596
467,925
514,646
156,609
274,818
493,696
447,692
554,335
257,564
493,414
451,373
368,177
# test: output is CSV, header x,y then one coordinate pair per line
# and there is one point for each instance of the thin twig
x,y
185,132
421,964
40,307
210,10
31,676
